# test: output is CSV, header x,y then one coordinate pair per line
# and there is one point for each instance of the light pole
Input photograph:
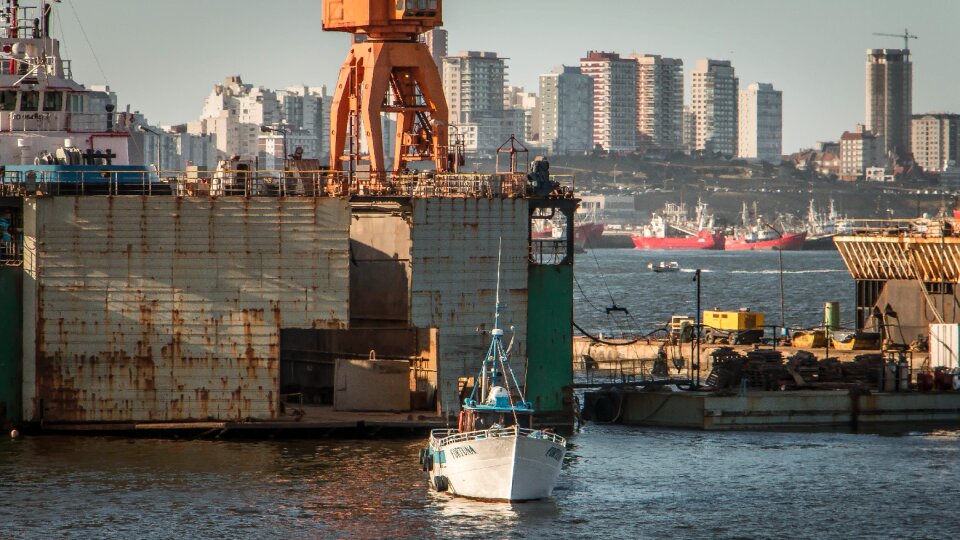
x,y
159,136
697,277
783,322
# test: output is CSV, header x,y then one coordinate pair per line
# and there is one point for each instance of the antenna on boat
x,y
496,314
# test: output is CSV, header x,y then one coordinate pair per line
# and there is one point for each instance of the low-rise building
x,y
859,150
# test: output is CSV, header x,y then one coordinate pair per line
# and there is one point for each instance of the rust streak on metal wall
x,y
454,267
166,309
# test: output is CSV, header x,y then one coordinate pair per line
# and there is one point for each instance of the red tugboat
x,y
672,231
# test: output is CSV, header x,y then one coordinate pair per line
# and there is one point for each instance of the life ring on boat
x,y
440,483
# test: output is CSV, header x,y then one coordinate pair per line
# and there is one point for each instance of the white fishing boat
x,y
664,266
495,453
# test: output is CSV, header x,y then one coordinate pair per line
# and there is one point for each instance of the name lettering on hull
x,y
462,451
555,453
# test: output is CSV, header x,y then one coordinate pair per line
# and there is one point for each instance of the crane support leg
x,y
389,77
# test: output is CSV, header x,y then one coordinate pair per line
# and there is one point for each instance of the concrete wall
x,y
165,309
453,288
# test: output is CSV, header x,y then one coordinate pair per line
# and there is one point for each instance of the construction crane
x,y
906,36
388,70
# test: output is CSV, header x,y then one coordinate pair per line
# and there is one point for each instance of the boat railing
x,y
73,122
259,183
444,437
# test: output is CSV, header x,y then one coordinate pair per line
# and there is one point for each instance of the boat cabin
x,y
496,412
483,417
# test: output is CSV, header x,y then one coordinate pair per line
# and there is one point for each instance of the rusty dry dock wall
x,y
167,309
454,267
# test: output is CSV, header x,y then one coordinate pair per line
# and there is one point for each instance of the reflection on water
x,y
617,482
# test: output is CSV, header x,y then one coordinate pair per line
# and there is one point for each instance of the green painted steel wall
x,y
11,336
549,336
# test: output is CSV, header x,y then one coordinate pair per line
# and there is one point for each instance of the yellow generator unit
x,y
733,321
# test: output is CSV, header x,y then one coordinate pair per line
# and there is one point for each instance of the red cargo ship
x,y
671,230
702,240
753,242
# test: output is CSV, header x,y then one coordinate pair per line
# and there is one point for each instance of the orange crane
x,y
388,70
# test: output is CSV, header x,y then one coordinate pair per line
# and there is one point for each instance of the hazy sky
x,y
163,56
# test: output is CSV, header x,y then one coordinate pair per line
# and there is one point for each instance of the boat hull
x,y
703,241
789,242
516,467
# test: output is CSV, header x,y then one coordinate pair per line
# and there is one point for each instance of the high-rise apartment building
x,y
890,98
689,128
436,40
761,123
233,113
306,115
474,84
936,140
517,98
566,111
714,99
659,102
614,100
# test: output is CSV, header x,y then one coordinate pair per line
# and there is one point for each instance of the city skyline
x,y
813,52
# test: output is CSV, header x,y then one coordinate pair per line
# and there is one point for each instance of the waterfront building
x,y
566,111
714,97
936,140
614,100
761,123
659,102
859,150
889,97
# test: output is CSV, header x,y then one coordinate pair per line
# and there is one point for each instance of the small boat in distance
x,y
664,266
495,453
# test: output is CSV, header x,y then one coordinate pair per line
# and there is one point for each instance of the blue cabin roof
x,y
87,174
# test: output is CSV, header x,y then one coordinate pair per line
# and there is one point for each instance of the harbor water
x,y
617,481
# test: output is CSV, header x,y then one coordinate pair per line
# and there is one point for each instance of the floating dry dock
x,y
772,410
289,301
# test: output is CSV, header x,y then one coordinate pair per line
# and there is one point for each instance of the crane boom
x,y
906,36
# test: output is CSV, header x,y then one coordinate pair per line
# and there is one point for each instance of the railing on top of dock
x,y
264,183
936,227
